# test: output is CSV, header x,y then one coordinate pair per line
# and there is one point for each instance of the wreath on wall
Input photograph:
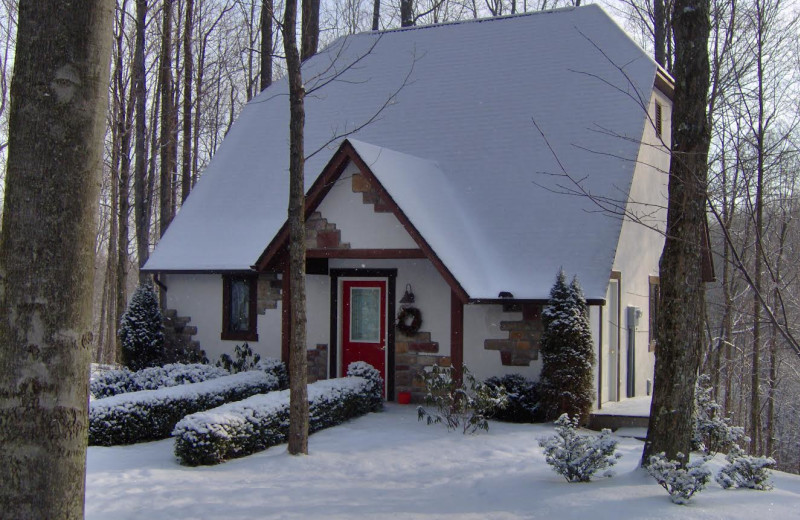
x,y
409,320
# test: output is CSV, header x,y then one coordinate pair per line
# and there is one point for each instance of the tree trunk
x,y
298,372
188,62
680,326
141,202
660,32
59,97
165,72
310,33
266,44
406,13
376,15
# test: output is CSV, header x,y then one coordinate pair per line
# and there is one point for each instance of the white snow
x,y
388,465
633,407
462,99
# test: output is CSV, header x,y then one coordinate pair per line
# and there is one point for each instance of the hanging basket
x,y
409,320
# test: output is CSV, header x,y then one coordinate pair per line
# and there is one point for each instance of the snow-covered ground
x,y
388,465
634,407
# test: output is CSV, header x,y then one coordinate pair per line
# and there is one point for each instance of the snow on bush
x,y
255,424
277,368
113,382
152,414
577,457
523,399
681,483
746,471
467,405
712,433
141,329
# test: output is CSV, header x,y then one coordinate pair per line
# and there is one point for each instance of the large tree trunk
x,y
165,81
310,31
298,372
679,332
660,32
406,13
141,199
266,44
188,62
59,97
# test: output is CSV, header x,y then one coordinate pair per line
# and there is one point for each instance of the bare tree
x,y
58,109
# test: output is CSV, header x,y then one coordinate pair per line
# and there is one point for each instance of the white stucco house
x,y
466,163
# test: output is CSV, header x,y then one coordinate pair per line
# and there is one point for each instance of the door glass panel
x,y
365,314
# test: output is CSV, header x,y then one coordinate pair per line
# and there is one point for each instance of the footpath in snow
x,y
388,465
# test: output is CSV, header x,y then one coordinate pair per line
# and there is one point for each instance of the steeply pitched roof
x,y
444,116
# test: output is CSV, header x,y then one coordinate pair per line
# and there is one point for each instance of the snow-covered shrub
x,y
141,330
713,433
467,405
577,457
245,359
255,424
523,399
113,382
681,483
565,384
152,414
746,471
277,368
373,376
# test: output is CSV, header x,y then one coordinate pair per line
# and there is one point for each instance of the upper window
x,y
659,118
653,310
239,308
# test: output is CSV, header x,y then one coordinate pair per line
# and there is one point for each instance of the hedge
x,y
114,382
152,414
238,429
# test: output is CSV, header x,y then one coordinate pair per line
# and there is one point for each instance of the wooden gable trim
x,y
366,253
664,83
322,186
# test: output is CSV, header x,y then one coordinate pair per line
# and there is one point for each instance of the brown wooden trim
x,y
600,361
322,186
200,271
286,316
616,275
457,336
252,333
664,83
535,301
365,253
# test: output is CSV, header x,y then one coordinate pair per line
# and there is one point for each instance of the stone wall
x,y
268,292
412,355
524,338
317,363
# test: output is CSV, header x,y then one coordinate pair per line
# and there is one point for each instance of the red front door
x,y
364,324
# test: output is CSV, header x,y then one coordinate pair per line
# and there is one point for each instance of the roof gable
x,y
457,101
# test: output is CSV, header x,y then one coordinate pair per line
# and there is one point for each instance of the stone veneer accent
x,y
317,363
524,337
412,355
268,292
369,195
321,234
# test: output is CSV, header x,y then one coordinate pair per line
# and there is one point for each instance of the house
x,y
463,163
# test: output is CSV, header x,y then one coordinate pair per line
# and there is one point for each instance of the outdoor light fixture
x,y
408,297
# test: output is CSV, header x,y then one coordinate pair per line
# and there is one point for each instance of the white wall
x,y
199,296
641,242
360,225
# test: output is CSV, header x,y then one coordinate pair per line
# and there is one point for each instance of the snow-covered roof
x,y
444,117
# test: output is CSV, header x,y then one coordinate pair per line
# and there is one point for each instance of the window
x,y
239,308
653,311
659,118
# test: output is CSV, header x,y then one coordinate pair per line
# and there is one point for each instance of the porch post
x,y
457,335
286,314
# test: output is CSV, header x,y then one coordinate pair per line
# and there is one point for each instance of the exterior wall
x,y
640,245
361,225
199,296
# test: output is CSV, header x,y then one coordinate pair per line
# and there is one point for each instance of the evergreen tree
x,y
567,352
141,330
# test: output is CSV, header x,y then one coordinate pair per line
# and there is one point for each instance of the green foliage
x,y
141,330
245,360
565,384
255,424
523,399
681,481
467,405
713,433
578,457
746,471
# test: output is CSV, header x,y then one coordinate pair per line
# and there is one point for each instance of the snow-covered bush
x,y
523,399
681,483
255,424
746,471
113,382
713,433
467,405
577,457
245,359
152,414
141,330
373,376
277,368
565,384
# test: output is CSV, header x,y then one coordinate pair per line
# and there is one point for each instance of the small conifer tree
x,y
141,331
567,353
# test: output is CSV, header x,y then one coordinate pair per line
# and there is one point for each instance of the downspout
x,y
634,313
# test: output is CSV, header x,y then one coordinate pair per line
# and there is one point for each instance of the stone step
x,y
169,313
